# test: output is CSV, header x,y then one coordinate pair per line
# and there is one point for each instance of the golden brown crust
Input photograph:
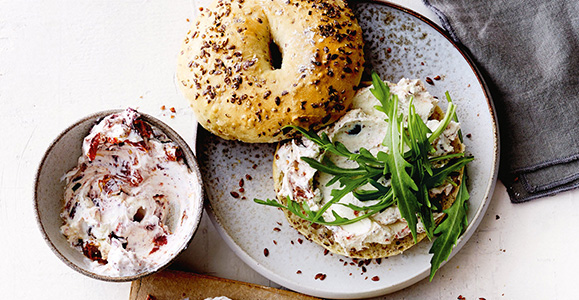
x,y
224,67
321,235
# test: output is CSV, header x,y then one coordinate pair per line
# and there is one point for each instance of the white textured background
x,y
62,60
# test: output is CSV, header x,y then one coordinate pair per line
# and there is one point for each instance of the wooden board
x,y
175,285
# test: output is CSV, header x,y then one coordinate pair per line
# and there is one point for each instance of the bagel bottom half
x,y
323,236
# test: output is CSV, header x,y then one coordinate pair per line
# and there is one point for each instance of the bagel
x,y
238,91
296,179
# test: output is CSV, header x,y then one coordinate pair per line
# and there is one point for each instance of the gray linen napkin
x,y
528,52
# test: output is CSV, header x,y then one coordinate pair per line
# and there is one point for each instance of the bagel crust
x,y
225,67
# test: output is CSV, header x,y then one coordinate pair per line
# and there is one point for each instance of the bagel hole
x,y
276,56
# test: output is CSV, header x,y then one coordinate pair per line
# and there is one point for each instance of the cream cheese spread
x,y
362,126
128,203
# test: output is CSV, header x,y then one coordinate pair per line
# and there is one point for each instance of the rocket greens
x,y
411,173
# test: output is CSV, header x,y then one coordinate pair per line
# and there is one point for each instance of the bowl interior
x,y
61,156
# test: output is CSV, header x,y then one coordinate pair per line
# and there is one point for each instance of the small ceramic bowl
x,y
62,156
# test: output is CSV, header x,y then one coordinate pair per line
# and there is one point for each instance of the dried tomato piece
x,y
91,251
113,141
94,143
143,128
136,178
110,185
174,155
158,242
141,145
128,175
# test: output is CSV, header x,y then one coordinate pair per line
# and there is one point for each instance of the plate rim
x,y
469,231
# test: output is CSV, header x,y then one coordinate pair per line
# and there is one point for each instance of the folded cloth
x,y
528,52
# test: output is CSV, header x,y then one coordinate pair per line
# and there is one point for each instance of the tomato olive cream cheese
x,y
362,126
129,197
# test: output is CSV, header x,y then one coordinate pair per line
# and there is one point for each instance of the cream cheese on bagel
x,y
362,126
237,91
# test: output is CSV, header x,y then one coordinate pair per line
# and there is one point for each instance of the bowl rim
x,y
192,165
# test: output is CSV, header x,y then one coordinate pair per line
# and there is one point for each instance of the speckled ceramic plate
x,y
399,43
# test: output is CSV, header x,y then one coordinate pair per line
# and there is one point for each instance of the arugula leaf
x,y
367,195
401,182
420,147
381,91
445,157
324,142
450,229
450,111
386,200
349,186
440,175
418,132
332,169
302,210
447,94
